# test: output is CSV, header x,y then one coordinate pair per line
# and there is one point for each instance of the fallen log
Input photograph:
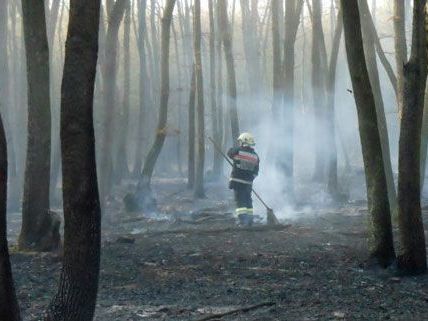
x,y
261,228
240,310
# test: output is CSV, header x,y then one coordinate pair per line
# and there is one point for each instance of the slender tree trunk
x,y
412,256
292,21
110,97
200,160
369,48
144,93
251,44
155,51
150,162
226,36
192,130
122,169
217,161
318,86
37,231
220,96
77,292
333,187
400,48
381,245
9,309
276,64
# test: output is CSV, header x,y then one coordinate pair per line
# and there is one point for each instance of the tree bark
x,y
38,224
249,14
400,48
292,21
319,72
110,98
150,162
225,34
200,159
191,133
217,161
77,292
412,256
9,309
121,168
369,37
144,92
333,187
381,245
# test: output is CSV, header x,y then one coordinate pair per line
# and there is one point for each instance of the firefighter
x,y
245,169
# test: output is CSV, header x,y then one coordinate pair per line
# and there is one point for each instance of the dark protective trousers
x,y
244,203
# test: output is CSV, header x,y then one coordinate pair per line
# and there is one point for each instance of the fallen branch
x,y
260,228
243,310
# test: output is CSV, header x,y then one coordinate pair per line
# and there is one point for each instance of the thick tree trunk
x,y
424,140
226,36
77,292
150,162
381,245
412,256
369,48
9,309
38,225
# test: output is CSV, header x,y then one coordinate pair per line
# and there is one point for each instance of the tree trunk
x,y
77,292
400,48
220,96
217,161
333,187
109,95
292,21
192,130
424,140
369,49
249,13
412,256
381,245
200,160
276,63
122,169
318,86
144,92
226,37
9,309
38,224
150,162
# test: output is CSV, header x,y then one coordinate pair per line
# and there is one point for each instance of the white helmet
x,y
246,139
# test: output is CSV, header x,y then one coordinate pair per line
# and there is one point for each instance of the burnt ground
x,y
190,261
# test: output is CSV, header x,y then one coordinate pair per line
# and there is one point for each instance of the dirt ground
x,y
189,261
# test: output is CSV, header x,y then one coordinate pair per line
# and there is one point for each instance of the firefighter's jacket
x,y
245,165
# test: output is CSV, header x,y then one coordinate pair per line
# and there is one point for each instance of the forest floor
x,y
191,262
